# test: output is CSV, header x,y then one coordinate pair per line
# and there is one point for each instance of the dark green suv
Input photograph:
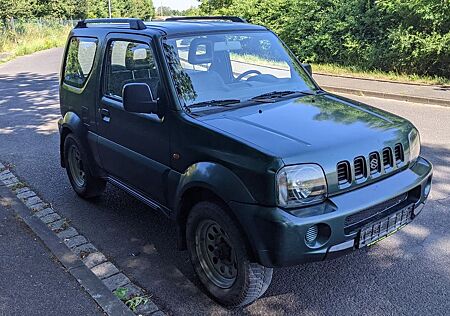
x,y
213,122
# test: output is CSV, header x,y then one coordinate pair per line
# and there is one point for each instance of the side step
x,y
146,200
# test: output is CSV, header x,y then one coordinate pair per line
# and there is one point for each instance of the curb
x,y
411,83
100,278
392,96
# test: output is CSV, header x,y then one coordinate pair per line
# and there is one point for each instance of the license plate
x,y
376,231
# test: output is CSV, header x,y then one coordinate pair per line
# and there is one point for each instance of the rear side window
x,y
79,60
130,62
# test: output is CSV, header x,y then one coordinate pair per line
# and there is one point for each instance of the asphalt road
x,y
408,273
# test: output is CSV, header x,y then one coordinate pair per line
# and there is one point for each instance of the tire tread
x,y
257,277
94,186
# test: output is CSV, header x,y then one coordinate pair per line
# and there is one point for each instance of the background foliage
x,y
400,36
27,26
26,37
74,9
404,36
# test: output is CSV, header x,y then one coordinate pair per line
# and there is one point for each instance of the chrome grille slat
x,y
398,153
343,172
360,167
387,158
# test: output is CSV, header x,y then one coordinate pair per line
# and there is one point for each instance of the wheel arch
x,y
209,182
71,123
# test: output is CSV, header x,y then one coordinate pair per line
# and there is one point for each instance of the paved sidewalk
x,y
31,281
439,95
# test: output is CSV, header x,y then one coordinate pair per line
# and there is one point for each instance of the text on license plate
x,y
385,227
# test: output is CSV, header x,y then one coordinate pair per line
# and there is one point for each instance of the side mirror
x,y
308,68
138,98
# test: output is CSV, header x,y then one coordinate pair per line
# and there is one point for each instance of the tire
x,y
241,281
78,169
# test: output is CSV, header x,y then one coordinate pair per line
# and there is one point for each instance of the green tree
x,y
139,8
192,11
214,6
14,9
94,9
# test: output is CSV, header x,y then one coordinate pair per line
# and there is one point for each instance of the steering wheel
x,y
248,72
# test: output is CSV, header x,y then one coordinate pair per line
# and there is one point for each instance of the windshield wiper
x,y
223,103
271,96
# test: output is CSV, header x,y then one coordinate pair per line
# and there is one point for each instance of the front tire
x,y
78,170
220,258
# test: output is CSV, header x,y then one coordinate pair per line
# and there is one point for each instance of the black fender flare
x,y
71,123
215,178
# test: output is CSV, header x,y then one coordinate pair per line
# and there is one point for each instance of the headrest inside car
x,y
137,57
200,51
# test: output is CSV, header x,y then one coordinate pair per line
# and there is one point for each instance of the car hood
x,y
323,129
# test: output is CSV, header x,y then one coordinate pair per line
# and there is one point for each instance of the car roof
x,y
200,26
171,26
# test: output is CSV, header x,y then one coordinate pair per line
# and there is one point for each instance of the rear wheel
x,y
219,256
78,171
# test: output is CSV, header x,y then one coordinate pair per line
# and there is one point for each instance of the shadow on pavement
x,y
29,102
440,158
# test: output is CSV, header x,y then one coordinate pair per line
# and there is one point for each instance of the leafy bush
x,y
74,9
404,36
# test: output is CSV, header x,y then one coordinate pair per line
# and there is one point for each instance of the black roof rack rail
x,y
217,17
135,24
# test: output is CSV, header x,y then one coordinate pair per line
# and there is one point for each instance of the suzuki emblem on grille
x,y
374,164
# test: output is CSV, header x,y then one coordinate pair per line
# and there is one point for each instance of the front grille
x,y
388,161
343,172
355,221
398,153
360,167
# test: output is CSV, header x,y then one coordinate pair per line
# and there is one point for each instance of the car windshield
x,y
238,67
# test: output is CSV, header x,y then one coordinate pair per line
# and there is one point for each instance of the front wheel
x,y
78,171
219,256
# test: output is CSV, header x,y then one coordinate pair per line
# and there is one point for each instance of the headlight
x,y
300,185
414,145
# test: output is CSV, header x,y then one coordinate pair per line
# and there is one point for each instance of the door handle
x,y
104,113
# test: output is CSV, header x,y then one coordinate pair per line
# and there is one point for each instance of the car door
x,y
133,147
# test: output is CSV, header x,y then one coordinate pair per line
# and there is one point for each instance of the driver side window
x,y
130,62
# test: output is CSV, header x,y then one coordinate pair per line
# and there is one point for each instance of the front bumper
x,y
277,236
